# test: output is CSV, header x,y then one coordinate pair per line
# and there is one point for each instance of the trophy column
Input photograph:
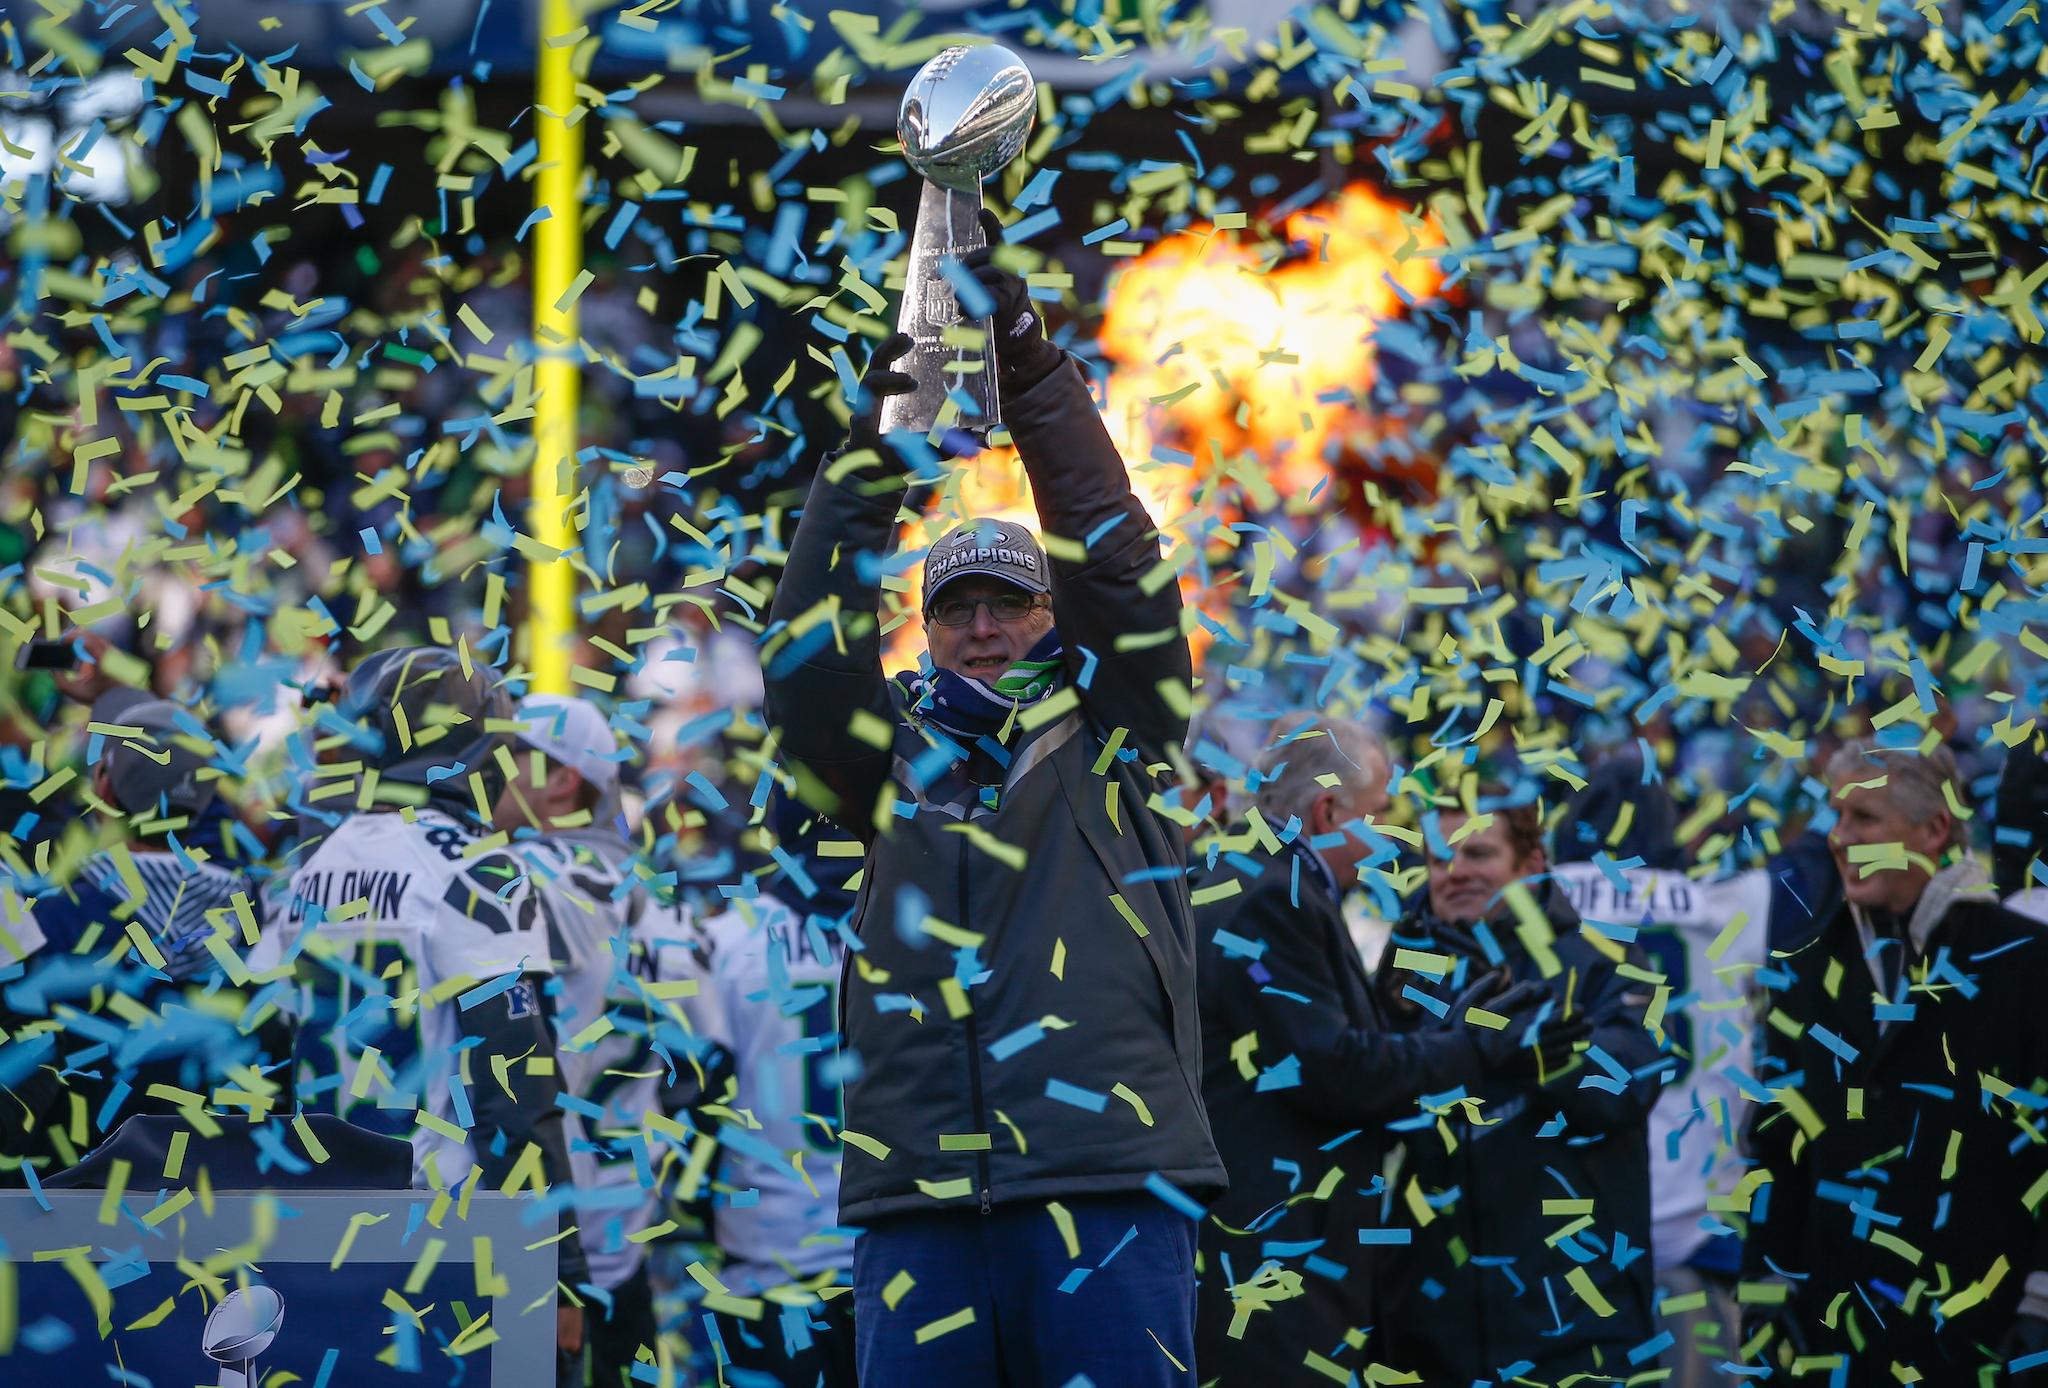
x,y
948,224
965,115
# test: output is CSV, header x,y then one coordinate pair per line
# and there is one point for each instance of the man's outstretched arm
x,y
822,656
1117,606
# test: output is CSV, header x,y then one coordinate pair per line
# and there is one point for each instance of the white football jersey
x,y
388,924
611,1008
769,993
1697,1122
20,936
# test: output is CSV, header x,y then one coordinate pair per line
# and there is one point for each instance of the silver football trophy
x,y
967,114
240,1328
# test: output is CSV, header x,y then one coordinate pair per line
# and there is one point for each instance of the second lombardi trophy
x,y
966,114
241,1327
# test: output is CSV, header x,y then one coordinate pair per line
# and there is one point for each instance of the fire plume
x,y
1222,346
1227,355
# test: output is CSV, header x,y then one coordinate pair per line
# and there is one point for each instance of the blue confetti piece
x,y
1006,1046
458,1099
484,992
1285,1075
393,35
616,232
794,868
1844,1051
47,1335
1173,1195
1103,233
1038,190
707,794
1425,1001
1030,226
520,158
1076,1096
975,302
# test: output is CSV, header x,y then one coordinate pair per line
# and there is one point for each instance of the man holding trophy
x,y
1024,1139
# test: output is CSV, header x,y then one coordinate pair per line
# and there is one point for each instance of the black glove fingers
x,y
1518,997
983,256
877,383
1004,288
881,384
893,348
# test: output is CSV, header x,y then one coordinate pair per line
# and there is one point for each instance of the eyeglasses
x,y
1004,607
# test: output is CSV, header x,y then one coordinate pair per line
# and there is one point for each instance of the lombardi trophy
x,y
240,1328
966,114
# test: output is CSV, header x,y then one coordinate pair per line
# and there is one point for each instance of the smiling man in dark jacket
x,y
1019,1011
1530,1207
1301,1072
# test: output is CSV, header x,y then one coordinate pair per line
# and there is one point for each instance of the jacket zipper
x,y
1467,1177
974,1051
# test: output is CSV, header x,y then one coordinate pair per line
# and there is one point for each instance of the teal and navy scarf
x,y
972,709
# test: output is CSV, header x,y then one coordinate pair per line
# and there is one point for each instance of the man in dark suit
x,y
1299,1073
1899,1227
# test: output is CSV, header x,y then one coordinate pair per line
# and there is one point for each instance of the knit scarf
x,y
972,709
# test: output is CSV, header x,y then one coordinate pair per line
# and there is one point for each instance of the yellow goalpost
x,y
557,269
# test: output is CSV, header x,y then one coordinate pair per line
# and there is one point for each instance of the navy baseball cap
x,y
991,548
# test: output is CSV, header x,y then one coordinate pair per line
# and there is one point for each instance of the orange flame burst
x,y
1221,349
1227,354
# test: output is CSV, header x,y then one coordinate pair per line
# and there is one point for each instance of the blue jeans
x,y
997,1299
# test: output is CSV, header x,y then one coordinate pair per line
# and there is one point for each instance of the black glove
x,y
877,384
1559,1041
1556,1045
1500,1050
1478,993
1556,1040
2027,1337
1022,352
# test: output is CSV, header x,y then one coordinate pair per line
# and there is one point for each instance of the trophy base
x,y
956,381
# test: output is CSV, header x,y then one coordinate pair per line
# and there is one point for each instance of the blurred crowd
x,y
1656,676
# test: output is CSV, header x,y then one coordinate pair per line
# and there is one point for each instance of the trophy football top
x,y
243,1324
966,114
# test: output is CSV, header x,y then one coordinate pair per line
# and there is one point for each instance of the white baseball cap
x,y
570,730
